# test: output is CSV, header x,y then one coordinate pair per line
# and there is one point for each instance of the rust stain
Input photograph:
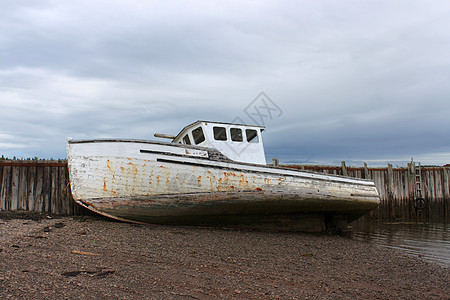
x,y
123,169
231,186
110,167
134,170
199,179
258,189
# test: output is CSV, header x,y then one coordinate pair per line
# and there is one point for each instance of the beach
x,y
92,257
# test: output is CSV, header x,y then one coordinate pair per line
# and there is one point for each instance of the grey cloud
x,y
361,81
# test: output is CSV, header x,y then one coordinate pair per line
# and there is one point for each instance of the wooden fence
x,y
43,186
36,185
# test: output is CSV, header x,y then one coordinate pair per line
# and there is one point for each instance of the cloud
x,y
356,81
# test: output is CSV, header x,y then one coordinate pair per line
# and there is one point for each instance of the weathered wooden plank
x,y
39,195
344,168
15,173
446,200
46,189
55,200
31,188
63,192
23,188
5,199
366,171
1,180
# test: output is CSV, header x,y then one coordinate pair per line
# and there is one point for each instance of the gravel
x,y
95,258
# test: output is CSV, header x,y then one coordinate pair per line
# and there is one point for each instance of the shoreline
x,y
96,258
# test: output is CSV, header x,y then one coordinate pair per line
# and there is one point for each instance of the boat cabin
x,y
238,142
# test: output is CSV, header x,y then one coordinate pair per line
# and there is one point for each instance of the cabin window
x,y
252,135
198,136
220,133
236,134
187,140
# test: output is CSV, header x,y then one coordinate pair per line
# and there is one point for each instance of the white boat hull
x,y
154,182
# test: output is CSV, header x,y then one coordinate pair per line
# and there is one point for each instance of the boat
x,y
210,174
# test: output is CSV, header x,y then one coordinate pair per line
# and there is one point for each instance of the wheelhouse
x,y
238,142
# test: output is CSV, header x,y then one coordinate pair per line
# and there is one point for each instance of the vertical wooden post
x,y
54,197
1,182
390,192
46,189
5,200
366,172
15,173
64,192
446,204
32,179
39,194
344,168
23,188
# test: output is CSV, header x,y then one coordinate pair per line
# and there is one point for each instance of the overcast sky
x,y
345,80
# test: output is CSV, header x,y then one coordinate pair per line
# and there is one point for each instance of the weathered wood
x,y
63,192
15,173
23,189
1,179
366,172
31,188
344,168
39,195
46,189
55,200
5,188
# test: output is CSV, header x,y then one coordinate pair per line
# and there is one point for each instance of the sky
x,y
360,81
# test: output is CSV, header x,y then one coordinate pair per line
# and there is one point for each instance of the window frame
x,y
203,137
224,130
256,137
241,140
188,139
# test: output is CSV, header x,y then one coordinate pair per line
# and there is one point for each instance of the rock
x,y
71,274
59,225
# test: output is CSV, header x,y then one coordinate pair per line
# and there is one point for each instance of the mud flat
x,y
95,258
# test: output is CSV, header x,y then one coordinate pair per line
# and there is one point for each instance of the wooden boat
x,y
210,174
